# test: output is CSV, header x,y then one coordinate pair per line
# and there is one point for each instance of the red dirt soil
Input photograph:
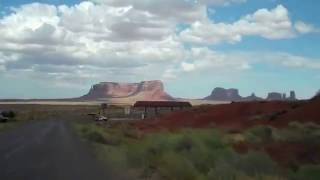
x,y
238,116
293,154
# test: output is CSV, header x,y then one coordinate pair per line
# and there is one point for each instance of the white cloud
x,y
85,34
178,10
188,66
205,59
304,28
126,40
292,61
220,2
269,24
206,62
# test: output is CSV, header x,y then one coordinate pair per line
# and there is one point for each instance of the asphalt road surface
x,y
48,150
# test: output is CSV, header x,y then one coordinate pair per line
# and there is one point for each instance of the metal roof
x,y
162,104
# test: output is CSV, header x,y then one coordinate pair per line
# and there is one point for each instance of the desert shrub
x,y
199,148
203,148
98,135
130,132
113,156
224,167
308,133
150,149
185,154
240,176
95,137
308,172
259,134
185,144
256,163
8,114
194,154
142,154
252,165
223,173
159,153
203,157
174,166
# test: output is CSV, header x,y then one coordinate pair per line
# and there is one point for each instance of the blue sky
x,y
59,48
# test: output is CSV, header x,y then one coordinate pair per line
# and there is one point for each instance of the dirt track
x,y
48,150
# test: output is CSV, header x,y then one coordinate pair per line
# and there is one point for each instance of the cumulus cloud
x,y
206,62
130,40
220,2
202,60
291,61
85,34
178,10
188,66
270,24
305,28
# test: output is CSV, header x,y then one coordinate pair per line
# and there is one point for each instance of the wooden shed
x,y
156,105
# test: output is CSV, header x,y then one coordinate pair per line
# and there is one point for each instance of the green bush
x,y
98,135
198,147
259,134
235,166
256,163
95,137
195,154
8,114
223,170
176,167
202,148
307,133
308,172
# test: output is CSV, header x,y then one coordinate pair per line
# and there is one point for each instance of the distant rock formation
x,y
317,96
274,96
292,96
146,90
253,97
221,94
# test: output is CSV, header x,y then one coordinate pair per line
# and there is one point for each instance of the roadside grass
x,y
31,113
195,154
9,125
305,165
307,133
308,172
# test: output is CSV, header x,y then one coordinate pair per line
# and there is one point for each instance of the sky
x,y
59,48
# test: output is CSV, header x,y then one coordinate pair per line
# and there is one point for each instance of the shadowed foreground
x,y
47,150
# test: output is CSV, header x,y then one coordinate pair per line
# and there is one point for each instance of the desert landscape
x,y
254,138
159,90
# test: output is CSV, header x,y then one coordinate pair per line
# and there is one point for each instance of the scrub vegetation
x,y
205,154
20,114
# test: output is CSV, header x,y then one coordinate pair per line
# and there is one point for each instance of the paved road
x,y
48,151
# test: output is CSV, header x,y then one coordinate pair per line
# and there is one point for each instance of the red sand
x,y
293,154
238,116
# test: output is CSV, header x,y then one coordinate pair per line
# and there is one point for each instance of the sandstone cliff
x,y
146,90
221,94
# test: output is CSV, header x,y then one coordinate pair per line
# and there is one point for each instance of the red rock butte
x,y
145,90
